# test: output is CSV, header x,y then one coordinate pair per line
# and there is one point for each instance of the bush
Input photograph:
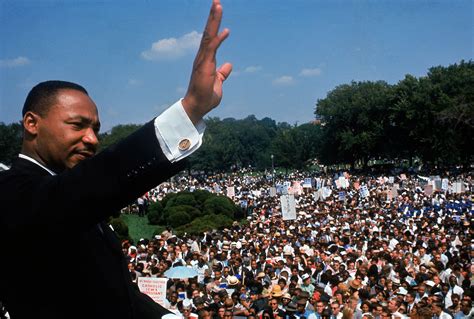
x,y
155,213
220,205
205,223
201,196
167,198
176,216
185,199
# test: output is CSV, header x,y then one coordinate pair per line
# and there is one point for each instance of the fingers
x,y
224,71
214,19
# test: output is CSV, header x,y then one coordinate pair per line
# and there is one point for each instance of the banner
x,y
155,288
288,207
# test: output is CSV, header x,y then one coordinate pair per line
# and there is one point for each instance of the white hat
x,y
305,276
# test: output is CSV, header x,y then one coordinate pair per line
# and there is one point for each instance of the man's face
x,y
67,134
392,305
319,307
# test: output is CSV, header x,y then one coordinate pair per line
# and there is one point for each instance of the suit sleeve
x,y
97,187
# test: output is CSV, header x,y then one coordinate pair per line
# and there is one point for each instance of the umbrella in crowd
x,y
181,272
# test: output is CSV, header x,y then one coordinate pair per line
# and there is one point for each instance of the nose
x,y
90,137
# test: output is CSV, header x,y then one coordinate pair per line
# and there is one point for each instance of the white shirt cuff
x,y
177,135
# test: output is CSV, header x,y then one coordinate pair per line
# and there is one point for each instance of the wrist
x,y
189,106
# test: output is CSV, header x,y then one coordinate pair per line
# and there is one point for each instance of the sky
x,y
135,57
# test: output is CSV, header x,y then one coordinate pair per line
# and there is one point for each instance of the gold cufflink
x,y
184,144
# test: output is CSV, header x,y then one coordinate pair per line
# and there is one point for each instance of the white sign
x,y
342,196
273,191
307,182
445,184
153,287
230,191
288,207
364,191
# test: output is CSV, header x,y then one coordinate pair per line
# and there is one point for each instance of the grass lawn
x,y
138,227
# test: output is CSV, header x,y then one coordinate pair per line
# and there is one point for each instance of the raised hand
x,y
205,86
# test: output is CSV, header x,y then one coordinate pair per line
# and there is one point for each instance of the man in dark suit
x,y
59,258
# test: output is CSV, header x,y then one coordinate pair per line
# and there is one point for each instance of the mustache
x,y
86,152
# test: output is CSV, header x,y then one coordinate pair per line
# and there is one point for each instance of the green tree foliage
x,y
116,134
10,141
232,143
430,117
354,116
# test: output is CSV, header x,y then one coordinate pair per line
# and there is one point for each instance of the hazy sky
x,y
134,57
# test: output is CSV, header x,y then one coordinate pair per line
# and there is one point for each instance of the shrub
x,y
176,216
205,223
155,213
219,205
185,199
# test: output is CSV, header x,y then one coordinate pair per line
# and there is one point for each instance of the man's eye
x,y
77,125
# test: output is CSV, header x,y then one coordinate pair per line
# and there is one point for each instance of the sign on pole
x,y
288,207
153,287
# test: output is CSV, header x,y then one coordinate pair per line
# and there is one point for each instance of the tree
x,y
10,141
354,116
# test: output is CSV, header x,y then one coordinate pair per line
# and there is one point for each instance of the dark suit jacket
x,y
55,262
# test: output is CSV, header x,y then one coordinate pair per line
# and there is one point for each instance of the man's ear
x,y
30,123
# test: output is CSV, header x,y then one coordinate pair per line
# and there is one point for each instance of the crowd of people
x,y
371,246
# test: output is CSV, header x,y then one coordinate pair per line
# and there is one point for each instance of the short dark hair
x,y
43,95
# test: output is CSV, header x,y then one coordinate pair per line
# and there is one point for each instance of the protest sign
x,y
319,183
155,288
364,191
326,192
297,189
230,191
394,190
308,182
316,195
273,191
288,207
445,184
342,196
391,179
428,190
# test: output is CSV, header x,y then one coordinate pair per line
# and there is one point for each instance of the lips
x,y
85,154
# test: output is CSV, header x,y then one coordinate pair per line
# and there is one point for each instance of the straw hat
x,y
276,291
